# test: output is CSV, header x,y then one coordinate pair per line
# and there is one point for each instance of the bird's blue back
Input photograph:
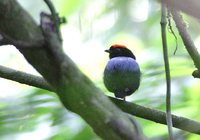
x,y
122,76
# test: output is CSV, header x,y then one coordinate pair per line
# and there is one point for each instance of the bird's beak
x,y
108,51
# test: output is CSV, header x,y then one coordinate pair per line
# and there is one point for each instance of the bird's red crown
x,y
118,46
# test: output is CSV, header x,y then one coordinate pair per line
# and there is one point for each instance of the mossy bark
x,y
76,91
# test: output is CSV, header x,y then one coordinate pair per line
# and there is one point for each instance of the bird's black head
x,y
119,50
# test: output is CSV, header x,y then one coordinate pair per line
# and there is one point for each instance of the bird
x,y
122,73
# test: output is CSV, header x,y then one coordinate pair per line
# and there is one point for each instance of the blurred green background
x,y
93,26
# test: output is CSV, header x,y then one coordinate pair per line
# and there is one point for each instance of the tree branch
x,y
7,40
196,74
24,78
77,93
55,18
187,40
131,108
163,24
190,7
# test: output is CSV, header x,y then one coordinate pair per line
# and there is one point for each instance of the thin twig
x,y
167,70
186,38
24,78
171,29
128,107
57,20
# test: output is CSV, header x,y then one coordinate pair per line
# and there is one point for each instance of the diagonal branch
x,y
187,40
7,40
75,90
190,7
131,108
24,78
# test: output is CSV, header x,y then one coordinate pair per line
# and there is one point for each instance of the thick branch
x,y
75,90
7,40
131,108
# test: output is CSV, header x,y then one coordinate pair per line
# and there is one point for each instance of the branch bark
x,y
187,40
163,24
131,108
190,7
77,93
